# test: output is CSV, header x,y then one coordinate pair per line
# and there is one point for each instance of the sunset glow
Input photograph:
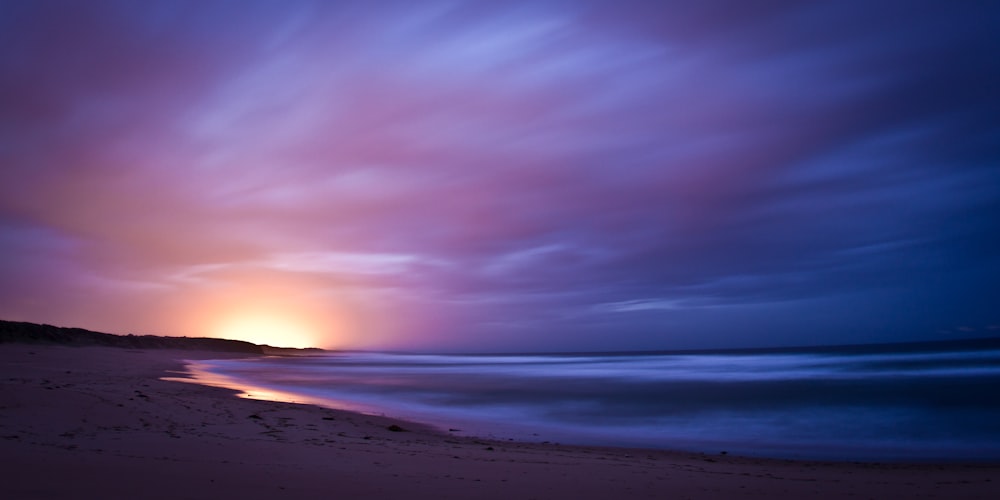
x,y
263,328
502,176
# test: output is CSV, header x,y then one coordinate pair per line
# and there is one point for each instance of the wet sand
x,y
93,422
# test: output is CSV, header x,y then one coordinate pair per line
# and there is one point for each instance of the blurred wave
x,y
928,405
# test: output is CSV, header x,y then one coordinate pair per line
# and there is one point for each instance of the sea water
x,y
846,404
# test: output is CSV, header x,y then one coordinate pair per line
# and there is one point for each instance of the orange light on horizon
x,y
276,314
273,308
273,329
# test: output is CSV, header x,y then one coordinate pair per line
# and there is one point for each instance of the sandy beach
x,y
98,422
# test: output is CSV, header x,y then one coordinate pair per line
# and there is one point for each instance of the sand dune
x,y
97,422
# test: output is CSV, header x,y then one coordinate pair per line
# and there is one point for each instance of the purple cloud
x,y
479,175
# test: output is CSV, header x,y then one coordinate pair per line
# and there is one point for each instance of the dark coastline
x,y
19,332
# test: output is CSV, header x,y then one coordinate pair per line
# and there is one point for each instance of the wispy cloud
x,y
636,174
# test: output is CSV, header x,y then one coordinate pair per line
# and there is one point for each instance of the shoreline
x,y
99,421
865,413
197,373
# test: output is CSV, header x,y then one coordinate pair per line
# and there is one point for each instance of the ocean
x,y
924,402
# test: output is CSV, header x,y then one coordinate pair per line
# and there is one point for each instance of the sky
x,y
503,176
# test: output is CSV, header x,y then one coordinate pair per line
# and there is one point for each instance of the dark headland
x,y
19,332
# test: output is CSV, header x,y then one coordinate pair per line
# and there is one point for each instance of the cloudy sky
x,y
460,175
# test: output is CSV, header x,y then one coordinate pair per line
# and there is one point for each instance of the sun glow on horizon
x,y
271,329
264,308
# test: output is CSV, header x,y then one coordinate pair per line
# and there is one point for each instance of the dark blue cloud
x,y
488,175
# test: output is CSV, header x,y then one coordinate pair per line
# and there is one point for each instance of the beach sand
x,y
96,422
